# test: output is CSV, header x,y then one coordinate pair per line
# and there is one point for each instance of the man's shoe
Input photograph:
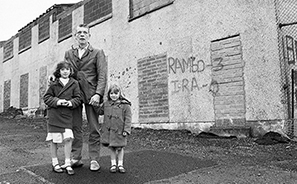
x,y
76,163
94,166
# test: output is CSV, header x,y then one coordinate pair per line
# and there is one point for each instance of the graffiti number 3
x,y
217,64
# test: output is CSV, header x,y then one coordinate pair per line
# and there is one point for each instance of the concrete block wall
x,y
65,27
8,50
44,28
96,9
25,37
6,95
24,85
153,89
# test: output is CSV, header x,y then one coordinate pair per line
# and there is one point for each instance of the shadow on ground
x,y
142,166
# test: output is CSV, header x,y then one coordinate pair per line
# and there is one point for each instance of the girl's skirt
x,y
59,137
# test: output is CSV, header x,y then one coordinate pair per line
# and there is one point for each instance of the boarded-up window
x,y
142,7
8,50
65,27
24,86
43,28
96,9
25,37
153,89
227,84
6,95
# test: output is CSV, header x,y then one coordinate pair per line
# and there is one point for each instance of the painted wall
x,y
182,31
185,30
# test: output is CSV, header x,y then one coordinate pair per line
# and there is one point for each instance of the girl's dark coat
x,y
117,119
60,117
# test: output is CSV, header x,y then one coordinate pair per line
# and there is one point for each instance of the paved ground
x,y
153,156
142,166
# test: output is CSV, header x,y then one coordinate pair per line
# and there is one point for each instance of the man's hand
x,y
95,100
69,104
51,79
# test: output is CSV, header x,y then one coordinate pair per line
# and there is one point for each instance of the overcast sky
x,y
15,14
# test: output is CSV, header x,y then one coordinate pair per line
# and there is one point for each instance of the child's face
x,y
114,95
65,72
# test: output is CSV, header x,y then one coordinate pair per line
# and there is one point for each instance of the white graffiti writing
x,y
185,65
186,85
193,65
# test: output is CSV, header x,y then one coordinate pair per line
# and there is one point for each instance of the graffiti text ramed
x,y
185,65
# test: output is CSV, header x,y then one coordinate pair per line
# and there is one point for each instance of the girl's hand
x,y
124,134
62,102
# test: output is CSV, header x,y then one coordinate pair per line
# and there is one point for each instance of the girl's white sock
x,y
67,161
55,161
120,162
113,162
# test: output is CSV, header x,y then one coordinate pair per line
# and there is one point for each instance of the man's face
x,y
82,35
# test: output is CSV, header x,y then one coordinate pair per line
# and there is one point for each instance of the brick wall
x,y
153,88
228,82
42,83
96,9
24,85
44,28
7,94
65,27
25,37
141,7
8,50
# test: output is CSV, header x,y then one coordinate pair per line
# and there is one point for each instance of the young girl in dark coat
x,y
62,96
116,126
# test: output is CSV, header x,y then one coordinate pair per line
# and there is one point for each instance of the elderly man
x,y
90,69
